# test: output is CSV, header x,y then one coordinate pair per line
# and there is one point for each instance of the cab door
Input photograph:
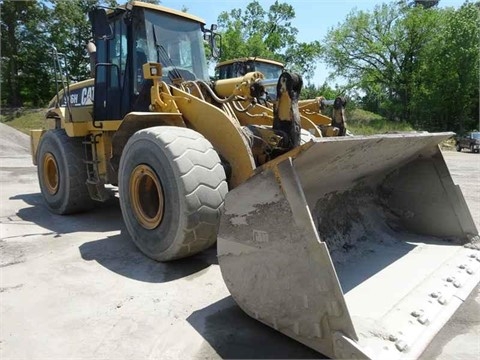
x,y
112,72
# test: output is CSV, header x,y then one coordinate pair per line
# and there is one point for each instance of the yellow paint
x,y
156,119
311,109
317,118
74,129
239,86
330,131
310,126
261,115
257,115
146,194
103,150
168,10
312,105
72,113
35,136
222,131
50,173
161,98
152,71
251,58
81,84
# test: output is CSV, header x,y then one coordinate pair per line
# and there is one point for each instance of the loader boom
x,y
311,110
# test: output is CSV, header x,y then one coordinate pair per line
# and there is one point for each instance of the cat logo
x,y
87,96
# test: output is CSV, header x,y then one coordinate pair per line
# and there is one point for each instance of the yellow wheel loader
x,y
312,109
358,247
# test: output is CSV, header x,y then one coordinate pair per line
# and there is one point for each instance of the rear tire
x,y
172,188
458,147
62,174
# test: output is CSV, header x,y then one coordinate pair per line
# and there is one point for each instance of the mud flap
x,y
357,247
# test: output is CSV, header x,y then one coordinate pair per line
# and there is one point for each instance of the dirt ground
x,y
75,287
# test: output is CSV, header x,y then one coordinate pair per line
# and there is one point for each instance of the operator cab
x,y
270,69
128,37
238,67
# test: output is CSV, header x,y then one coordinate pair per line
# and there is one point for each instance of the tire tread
x,y
71,150
204,187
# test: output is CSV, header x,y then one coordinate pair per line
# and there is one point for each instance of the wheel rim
x,y
146,194
50,173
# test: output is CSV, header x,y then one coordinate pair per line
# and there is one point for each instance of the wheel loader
x,y
358,247
313,109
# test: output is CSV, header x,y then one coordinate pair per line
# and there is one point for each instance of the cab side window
x,y
118,50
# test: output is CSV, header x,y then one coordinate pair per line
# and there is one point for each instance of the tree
x,y
418,63
11,12
379,52
310,91
448,81
25,77
30,29
70,32
270,34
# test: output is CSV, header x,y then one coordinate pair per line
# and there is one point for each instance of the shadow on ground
x,y
118,254
235,335
104,217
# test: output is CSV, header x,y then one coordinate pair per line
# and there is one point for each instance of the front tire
x,y
172,188
458,147
62,174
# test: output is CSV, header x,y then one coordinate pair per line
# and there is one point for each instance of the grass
x,y
362,122
24,119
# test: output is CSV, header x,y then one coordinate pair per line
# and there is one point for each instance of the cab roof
x,y
166,10
250,58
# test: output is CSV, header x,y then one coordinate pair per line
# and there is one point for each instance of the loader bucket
x,y
358,247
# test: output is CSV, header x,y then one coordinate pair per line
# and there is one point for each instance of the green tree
x,y
418,63
447,85
25,78
255,31
379,52
12,13
310,91
70,31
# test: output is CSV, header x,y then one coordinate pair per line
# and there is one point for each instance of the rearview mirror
x,y
216,45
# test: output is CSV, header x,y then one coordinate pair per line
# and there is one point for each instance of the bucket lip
x,y
415,334
396,135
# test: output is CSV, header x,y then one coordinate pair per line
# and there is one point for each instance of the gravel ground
x,y
75,287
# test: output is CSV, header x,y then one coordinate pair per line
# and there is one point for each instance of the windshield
x,y
476,135
180,46
270,71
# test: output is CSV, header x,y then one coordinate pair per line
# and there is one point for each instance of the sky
x,y
313,18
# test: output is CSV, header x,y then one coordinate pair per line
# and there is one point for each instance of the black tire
x,y
62,173
458,147
172,188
